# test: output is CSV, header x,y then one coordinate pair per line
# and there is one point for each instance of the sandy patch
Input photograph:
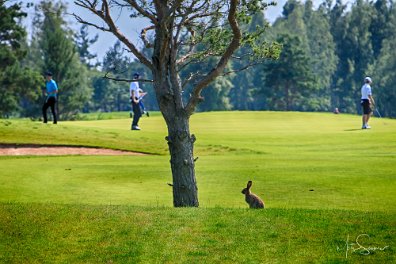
x,y
40,150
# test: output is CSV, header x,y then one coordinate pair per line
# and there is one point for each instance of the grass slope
x,y
322,178
287,155
49,233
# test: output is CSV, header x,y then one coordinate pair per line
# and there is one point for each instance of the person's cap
x,y
368,79
136,75
48,73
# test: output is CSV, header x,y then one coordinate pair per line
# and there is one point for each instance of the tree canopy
x,y
15,79
342,45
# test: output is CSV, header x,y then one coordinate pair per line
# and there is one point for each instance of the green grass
x,y
109,133
48,233
321,176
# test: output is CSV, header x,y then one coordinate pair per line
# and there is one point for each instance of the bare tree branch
x,y
242,68
82,21
104,14
143,12
106,76
202,13
147,44
191,77
187,61
175,6
234,44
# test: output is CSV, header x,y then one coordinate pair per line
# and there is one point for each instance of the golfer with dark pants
x,y
367,101
134,95
51,91
137,113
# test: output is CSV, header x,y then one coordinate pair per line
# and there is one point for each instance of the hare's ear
x,y
249,184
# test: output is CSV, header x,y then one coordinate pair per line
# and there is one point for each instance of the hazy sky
x,y
130,27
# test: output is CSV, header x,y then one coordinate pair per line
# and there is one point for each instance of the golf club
x,y
380,116
378,113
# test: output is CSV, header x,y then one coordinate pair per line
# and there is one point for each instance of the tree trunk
x,y
181,146
180,142
168,91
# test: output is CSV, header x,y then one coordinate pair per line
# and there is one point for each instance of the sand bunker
x,y
44,150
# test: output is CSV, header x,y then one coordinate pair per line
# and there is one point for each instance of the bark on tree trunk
x,y
181,146
180,142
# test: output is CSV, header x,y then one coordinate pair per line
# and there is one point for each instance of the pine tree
x,y
115,95
384,86
243,94
83,44
322,54
58,54
304,70
381,26
18,84
289,80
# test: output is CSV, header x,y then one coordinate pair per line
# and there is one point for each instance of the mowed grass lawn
x,y
326,184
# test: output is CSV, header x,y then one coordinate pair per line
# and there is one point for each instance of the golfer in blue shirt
x,y
51,92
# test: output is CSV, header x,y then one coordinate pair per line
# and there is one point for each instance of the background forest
x,y
326,53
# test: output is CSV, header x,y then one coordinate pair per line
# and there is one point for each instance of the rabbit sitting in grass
x,y
253,200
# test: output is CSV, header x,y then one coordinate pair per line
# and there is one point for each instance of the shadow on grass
x,y
354,129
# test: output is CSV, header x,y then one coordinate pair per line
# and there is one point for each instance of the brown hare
x,y
253,200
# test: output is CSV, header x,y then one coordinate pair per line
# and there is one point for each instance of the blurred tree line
x,y
326,53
